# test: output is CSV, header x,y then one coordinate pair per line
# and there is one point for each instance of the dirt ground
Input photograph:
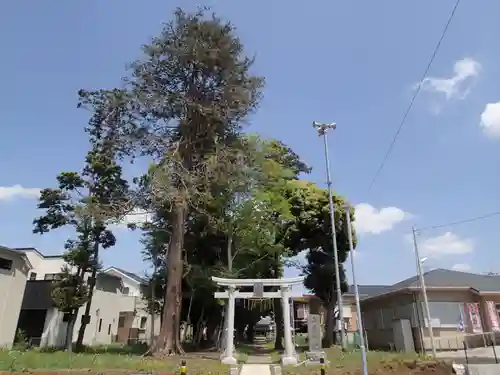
x,y
404,368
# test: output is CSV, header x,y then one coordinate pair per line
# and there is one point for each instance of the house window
x,y
121,322
5,264
125,291
33,276
445,314
100,324
109,329
52,276
143,322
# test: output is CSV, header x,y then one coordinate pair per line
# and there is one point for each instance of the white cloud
x,y
490,120
461,267
137,217
371,220
17,192
455,86
446,244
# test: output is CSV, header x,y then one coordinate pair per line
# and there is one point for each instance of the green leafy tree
x,y
88,202
191,89
69,293
311,230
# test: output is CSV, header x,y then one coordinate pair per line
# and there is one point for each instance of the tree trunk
x,y
68,341
251,333
162,309
188,318
200,327
212,330
168,342
329,324
229,253
278,319
86,315
240,331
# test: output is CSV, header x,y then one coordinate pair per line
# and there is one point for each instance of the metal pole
x,y
356,292
322,130
424,292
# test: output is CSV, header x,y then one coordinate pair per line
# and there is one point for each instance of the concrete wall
x,y
137,305
12,285
43,265
106,305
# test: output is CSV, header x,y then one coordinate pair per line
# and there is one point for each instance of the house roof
x,y
443,278
25,249
366,290
130,275
14,252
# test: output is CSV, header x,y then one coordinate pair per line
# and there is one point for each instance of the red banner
x,y
492,315
474,317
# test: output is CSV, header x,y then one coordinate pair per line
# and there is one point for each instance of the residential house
x,y
134,323
349,302
461,304
45,325
302,308
14,268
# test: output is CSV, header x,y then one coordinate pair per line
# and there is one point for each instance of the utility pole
x,y
356,293
322,132
424,292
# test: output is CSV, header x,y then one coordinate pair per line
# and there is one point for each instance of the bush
x,y
21,341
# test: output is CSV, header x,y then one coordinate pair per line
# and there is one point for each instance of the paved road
x,y
481,354
254,369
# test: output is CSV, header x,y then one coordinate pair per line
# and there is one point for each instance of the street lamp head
x,y
324,126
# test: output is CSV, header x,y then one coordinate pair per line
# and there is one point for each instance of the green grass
x,y
340,362
36,360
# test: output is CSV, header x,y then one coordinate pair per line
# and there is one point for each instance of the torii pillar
x,y
285,293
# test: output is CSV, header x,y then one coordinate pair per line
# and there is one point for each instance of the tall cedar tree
x,y
191,88
87,201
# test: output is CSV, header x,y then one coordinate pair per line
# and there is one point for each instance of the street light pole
x,y
322,132
356,292
424,292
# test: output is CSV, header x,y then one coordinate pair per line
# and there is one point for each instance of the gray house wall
x,y
12,285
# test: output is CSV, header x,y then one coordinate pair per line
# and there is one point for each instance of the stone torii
x,y
285,293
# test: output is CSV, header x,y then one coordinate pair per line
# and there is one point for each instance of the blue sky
x,y
352,62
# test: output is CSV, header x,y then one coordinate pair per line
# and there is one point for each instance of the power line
x,y
412,101
454,223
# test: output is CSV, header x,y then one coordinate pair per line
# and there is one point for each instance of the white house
x,y
14,268
46,326
135,323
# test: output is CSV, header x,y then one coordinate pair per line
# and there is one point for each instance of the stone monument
x,y
315,352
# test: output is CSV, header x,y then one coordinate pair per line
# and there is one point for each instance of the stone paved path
x,y
259,359
254,369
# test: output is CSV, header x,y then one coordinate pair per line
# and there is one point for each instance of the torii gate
x,y
285,293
